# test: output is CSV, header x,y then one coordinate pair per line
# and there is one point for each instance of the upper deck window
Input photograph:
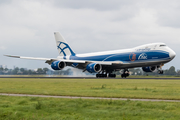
x,y
162,45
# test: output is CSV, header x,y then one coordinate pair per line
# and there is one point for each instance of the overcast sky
x,y
27,26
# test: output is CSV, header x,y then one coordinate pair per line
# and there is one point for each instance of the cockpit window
x,y
162,45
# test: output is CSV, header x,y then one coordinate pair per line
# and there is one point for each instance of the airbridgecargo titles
x,y
151,57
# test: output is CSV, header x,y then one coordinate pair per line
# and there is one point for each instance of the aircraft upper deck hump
x,y
62,46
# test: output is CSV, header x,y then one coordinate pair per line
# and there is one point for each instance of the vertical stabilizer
x,y
62,46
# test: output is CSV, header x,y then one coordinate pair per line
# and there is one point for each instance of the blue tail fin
x,y
62,46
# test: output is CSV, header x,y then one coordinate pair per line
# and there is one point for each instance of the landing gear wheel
x,y
101,75
160,71
125,73
112,75
122,75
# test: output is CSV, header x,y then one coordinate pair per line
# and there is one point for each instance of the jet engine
x,y
149,68
58,65
93,68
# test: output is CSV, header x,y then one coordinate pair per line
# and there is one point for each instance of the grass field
x,y
28,108
121,88
32,108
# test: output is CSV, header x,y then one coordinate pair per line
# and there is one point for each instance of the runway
x,y
94,98
157,78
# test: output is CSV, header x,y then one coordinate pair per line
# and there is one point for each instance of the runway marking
x,y
100,98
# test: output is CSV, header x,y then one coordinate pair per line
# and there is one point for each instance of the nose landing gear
x,y
160,71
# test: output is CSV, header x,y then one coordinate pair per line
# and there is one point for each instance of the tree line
x,y
47,71
39,71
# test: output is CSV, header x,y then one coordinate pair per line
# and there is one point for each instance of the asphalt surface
x,y
100,98
160,78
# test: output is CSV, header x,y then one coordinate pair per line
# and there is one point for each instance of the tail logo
x,y
65,49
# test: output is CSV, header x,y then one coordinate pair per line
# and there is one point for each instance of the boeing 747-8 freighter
x,y
150,57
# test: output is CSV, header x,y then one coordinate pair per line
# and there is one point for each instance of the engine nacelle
x,y
149,68
93,68
58,65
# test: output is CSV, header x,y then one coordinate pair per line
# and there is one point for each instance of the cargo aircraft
x,y
151,57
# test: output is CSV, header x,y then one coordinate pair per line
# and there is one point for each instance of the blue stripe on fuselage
x,y
128,57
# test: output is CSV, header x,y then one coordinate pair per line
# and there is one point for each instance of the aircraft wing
x,y
50,60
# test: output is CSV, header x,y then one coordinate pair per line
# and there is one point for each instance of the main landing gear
x,y
125,73
105,75
101,75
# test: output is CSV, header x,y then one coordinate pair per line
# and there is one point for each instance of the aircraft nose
x,y
172,54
